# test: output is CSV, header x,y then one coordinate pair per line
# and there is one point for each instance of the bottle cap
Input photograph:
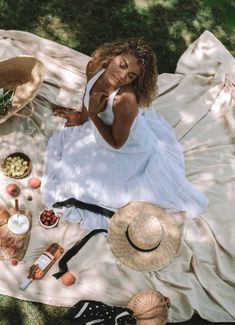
x,y
25,283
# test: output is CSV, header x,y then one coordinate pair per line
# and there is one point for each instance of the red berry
x,y
14,262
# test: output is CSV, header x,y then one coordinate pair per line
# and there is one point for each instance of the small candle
x,y
18,224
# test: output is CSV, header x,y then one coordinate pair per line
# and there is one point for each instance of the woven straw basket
x,y
24,74
149,307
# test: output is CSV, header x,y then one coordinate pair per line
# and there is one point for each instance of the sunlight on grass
x,y
147,3
31,314
14,311
52,27
203,19
179,29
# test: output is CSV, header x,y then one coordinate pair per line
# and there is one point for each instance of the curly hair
x,y
145,84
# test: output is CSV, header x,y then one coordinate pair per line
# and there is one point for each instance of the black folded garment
x,y
95,312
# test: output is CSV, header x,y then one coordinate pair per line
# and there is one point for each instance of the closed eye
x,y
124,65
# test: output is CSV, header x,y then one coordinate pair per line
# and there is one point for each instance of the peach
x,y
13,189
68,279
34,182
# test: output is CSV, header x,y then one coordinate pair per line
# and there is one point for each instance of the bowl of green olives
x,y
17,165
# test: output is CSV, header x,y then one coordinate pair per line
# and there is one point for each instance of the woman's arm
x,y
125,110
72,116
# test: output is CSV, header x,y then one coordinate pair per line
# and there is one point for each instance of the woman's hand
x,y
72,116
97,103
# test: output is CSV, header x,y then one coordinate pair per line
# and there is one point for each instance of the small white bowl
x,y
18,224
48,226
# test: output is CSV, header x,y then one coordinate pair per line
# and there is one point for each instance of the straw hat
x,y
149,308
24,74
143,236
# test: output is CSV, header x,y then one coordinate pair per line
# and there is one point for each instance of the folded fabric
x,y
95,312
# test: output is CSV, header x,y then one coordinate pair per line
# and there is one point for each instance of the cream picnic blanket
x,y
199,101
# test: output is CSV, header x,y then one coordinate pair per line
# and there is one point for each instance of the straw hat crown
x,y
145,231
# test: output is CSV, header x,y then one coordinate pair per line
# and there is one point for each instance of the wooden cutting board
x,y
14,246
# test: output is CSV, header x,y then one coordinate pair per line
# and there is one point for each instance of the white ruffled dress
x,y
149,167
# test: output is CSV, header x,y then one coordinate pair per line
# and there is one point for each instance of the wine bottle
x,y
42,264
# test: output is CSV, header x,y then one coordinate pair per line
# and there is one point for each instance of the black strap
x,y
84,206
138,248
73,250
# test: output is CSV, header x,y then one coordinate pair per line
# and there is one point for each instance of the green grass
x,y
18,312
168,26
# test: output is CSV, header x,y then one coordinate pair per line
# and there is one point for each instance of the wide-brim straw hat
x,y
149,307
144,236
23,74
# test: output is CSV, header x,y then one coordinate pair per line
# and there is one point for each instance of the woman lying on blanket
x,y
117,149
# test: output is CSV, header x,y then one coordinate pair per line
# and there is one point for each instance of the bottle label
x,y
43,261
49,255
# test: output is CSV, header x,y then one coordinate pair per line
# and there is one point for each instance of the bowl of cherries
x,y
48,219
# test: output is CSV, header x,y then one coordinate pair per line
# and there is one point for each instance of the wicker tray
x,y
23,74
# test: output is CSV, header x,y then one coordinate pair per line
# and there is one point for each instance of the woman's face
x,y
122,70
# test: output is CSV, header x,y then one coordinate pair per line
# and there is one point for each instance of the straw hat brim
x,y
143,261
23,74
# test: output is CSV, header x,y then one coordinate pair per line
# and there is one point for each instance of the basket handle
x,y
26,115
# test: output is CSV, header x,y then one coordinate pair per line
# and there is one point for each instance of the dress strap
x,y
89,85
111,97
92,81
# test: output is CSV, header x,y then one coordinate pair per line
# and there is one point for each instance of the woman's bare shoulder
x,y
126,100
126,94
